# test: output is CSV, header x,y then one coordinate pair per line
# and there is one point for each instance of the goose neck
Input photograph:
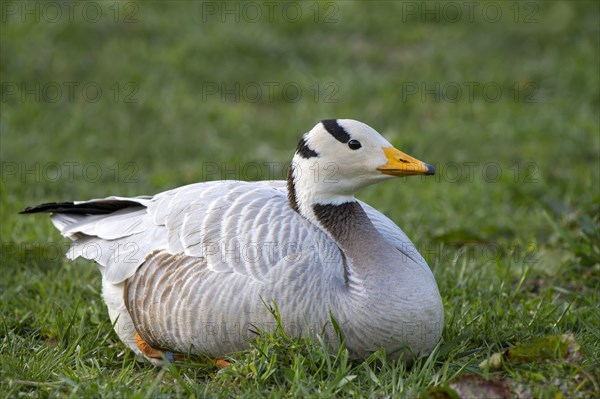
x,y
349,225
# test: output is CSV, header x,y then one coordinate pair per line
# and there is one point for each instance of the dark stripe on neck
x,y
334,128
341,221
292,200
345,267
304,150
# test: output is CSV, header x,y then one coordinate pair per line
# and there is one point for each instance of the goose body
x,y
190,270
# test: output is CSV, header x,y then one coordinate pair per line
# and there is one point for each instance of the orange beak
x,y
400,164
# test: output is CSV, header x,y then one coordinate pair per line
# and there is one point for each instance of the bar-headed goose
x,y
189,270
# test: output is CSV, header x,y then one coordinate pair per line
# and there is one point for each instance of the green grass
x,y
515,255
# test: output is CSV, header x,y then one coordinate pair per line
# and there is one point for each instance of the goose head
x,y
337,158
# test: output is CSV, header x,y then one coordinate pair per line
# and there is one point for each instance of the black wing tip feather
x,y
47,207
85,208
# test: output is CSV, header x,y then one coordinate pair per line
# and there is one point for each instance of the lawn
x,y
129,98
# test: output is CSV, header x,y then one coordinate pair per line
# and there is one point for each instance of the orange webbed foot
x,y
222,363
153,353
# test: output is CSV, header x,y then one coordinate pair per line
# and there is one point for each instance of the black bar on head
x,y
304,150
334,128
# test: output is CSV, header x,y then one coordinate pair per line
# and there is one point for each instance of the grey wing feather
x,y
244,230
237,227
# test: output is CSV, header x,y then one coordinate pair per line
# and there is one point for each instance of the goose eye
x,y
354,144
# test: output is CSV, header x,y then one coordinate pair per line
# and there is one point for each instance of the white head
x,y
338,157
